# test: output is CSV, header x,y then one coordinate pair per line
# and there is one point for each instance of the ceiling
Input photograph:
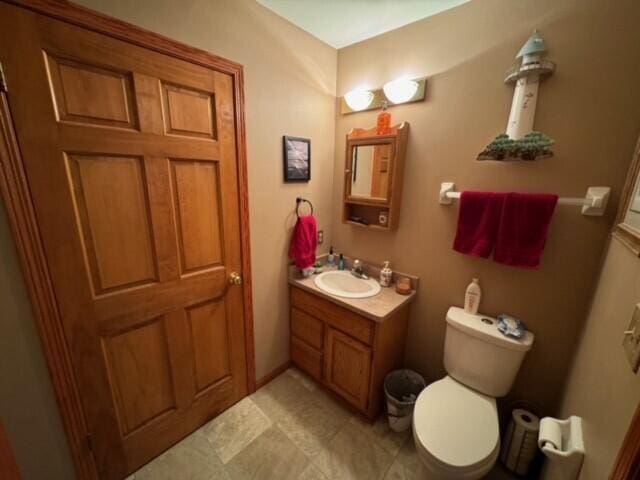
x,y
343,22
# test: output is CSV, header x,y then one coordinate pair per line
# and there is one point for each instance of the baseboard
x,y
270,376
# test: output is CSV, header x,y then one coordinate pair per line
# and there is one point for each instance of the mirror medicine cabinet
x,y
374,169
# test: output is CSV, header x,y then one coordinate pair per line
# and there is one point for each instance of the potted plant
x,y
533,146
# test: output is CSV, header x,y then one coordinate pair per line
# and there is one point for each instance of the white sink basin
x,y
344,284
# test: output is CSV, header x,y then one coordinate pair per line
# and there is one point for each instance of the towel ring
x,y
299,200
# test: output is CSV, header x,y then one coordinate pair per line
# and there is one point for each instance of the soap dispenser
x,y
386,274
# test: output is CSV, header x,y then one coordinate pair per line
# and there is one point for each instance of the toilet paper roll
x,y
550,432
520,442
527,420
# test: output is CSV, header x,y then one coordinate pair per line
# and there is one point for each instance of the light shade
x,y
358,99
400,90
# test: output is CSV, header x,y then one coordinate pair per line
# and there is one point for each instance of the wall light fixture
x,y
401,90
358,99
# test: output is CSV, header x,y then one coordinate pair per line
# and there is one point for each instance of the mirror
x,y
370,171
627,228
374,166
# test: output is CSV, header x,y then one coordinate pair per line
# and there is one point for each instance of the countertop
x,y
376,308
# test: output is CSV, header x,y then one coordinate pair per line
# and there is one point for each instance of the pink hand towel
x,y
523,228
304,242
478,222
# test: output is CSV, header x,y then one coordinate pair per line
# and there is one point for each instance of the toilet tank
x,y
477,355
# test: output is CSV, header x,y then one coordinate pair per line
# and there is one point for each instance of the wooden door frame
x,y
627,464
22,220
8,465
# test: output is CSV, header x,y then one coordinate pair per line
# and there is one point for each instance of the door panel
x,y
189,112
196,192
132,171
348,367
140,374
111,93
117,240
210,336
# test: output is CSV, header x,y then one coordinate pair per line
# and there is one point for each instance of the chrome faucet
x,y
357,270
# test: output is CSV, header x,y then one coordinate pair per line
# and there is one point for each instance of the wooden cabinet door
x,y
130,158
382,158
347,367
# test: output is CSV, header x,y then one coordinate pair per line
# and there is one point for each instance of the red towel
x,y
478,222
304,242
523,228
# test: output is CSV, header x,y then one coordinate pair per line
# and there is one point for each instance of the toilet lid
x,y
456,426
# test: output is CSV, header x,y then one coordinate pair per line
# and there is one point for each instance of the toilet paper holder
x,y
562,443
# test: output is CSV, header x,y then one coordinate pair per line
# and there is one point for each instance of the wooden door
x,y
347,367
8,465
627,465
131,164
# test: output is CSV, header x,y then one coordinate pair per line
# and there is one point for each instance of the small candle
x,y
403,286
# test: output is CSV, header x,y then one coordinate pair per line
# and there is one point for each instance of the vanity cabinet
x,y
348,353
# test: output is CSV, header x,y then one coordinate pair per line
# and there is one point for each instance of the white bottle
x,y
386,274
472,297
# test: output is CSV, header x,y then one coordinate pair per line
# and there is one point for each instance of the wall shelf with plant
x,y
533,146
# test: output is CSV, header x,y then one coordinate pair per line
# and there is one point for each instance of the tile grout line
x,y
369,434
386,472
309,461
372,438
271,424
276,423
329,440
206,437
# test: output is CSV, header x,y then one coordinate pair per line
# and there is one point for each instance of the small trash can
x,y
402,387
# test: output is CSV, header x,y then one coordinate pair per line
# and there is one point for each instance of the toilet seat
x,y
456,429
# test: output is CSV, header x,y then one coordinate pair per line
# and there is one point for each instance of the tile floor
x,y
291,429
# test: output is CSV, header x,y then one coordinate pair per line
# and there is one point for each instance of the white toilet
x,y
455,421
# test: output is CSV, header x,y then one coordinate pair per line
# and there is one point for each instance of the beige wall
x,y
28,408
589,106
290,89
601,387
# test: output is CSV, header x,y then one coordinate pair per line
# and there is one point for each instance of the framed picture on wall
x,y
627,226
296,154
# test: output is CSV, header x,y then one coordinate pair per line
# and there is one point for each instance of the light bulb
x,y
358,99
400,90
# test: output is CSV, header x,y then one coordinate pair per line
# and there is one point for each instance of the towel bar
x,y
593,203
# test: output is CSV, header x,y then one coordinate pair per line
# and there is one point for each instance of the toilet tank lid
x,y
487,331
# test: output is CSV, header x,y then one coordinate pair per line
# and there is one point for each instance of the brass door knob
x,y
235,278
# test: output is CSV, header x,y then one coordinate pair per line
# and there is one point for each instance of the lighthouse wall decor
x,y
521,142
